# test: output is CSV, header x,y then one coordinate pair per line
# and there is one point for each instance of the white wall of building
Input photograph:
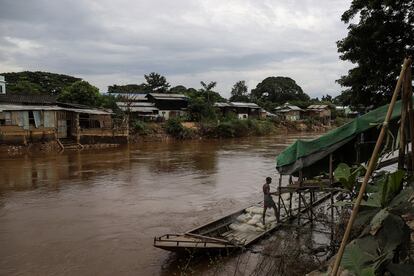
x,y
2,85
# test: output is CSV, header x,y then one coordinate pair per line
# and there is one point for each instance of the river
x,y
95,212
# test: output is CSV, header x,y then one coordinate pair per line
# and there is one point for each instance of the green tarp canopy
x,y
302,154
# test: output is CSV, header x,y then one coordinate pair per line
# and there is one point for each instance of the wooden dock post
x,y
280,197
299,206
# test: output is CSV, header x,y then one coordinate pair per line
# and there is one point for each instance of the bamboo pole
x,y
371,166
409,88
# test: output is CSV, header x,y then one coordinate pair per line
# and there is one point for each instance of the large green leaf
x,y
377,220
369,271
359,254
347,176
392,186
343,175
365,216
402,203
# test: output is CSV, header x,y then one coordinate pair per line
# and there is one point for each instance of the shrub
x,y
174,128
140,127
225,130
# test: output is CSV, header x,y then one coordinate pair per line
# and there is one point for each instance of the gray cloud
x,y
107,42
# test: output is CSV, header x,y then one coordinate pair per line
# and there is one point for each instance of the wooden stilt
x,y
279,197
299,206
330,169
332,218
311,204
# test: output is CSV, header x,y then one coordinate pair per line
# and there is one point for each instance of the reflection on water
x,y
95,212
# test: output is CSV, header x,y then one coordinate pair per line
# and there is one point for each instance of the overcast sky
x,y
117,42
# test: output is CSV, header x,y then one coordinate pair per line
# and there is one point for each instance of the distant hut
x,y
242,110
288,112
321,112
169,105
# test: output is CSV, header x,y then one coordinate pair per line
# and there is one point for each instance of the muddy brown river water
x,y
96,212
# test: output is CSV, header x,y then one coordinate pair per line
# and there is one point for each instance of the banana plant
x,y
385,234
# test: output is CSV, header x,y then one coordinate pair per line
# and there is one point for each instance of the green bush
x,y
174,128
141,128
225,130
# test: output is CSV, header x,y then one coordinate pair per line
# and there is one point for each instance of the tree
x,y
239,92
377,45
327,98
278,90
156,83
128,88
179,89
81,92
206,89
25,87
37,82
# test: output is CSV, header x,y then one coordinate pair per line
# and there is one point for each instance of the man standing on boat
x,y
268,200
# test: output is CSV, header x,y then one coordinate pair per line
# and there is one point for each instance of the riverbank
x,y
176,130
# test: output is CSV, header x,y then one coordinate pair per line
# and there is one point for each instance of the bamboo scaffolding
x,y
371,165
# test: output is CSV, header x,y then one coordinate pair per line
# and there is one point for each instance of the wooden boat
x,y
215,235
220,235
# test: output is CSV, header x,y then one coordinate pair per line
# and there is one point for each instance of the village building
x,y
38,118
137,106
242,110
2,85
289,112
321,112
346,111
169,105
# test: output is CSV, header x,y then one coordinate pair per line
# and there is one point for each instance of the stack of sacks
x,y
251,221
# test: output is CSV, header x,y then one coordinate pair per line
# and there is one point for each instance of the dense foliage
x,y
81,92
28,82
381,233
239,92
127,89
377,44
156,83
278,90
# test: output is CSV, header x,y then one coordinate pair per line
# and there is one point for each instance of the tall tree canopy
x,y
81,92
278,90
376,44
239,92
28,82
127,89
156,83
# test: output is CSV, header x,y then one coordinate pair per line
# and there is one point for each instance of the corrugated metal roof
x,y
131,104
139,109
222,104
15,107
240,104
165,96
288,107
131,96
27,99
318,106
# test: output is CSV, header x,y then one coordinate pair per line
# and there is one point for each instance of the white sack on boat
x,y
244,218
254,220
242,227
255,210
